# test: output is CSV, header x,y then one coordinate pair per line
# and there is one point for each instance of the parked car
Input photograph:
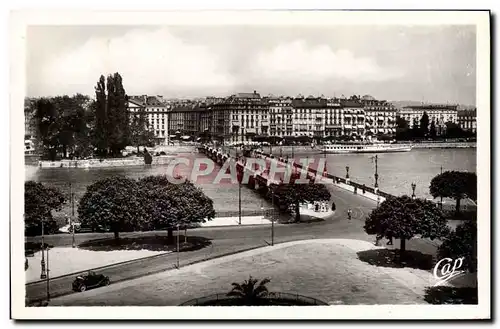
x,y
90,281
79,228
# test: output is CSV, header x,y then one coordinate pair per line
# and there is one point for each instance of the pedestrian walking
x,y
389,243
377,240
349,213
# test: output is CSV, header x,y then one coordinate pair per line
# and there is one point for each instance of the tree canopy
x,y
152,203
454,184
404,217
140,135
462,242
424,124
61,124
293,194
39,202
167,204
114,203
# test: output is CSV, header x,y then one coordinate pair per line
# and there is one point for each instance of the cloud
x,y
299,61
149,62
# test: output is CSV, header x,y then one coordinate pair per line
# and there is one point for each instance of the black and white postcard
x,y
177,164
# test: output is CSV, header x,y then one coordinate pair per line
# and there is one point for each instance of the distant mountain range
x,y
401,104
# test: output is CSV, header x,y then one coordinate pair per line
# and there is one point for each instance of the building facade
x,y
333,118
186,119
467,120
240,117
309,117
439,114
352,118
380,116
156,113
280,116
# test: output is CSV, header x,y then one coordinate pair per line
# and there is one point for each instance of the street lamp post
x,y
72,225
178,246
413,186
43,273
441,196
376,171
48,270
272,217
239,194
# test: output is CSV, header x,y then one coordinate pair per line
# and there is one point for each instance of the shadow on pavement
x,y
30,248
153,243
393,258
451,295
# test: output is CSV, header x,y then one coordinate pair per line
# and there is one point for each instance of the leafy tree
x,y
432,130
139,130
113,202
167,204
250,291
100,135
61,124
404,217
454,184
462,242
454,131
293,194
401,123
73,118
47,124
39,202
118,132
424,124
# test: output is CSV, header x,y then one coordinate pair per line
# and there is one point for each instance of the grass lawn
x,y
325,269
97,253
64,260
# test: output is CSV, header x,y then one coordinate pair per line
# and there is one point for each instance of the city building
x,y
352,117
439,114
185,120
467,119
280,116
156,112
333,118
380,116
309,116
240,117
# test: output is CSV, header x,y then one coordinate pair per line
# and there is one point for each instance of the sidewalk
x,y
234,221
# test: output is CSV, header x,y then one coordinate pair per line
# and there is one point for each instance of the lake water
x,y
396,173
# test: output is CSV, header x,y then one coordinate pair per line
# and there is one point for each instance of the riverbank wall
x,y
101,163
443,145
276,149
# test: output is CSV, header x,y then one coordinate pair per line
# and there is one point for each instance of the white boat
x,y
365,148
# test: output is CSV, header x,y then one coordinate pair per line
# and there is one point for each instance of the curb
x,y
34,301
98,268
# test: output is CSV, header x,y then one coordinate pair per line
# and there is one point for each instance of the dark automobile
x,y
79,228
90,281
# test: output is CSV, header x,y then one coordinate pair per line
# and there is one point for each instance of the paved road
x,y
226,240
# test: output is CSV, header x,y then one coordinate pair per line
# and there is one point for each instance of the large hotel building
x,y
439,114
243,116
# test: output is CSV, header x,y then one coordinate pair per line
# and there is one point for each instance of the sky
x,y
400,63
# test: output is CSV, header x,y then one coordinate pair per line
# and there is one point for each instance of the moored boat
x,y
365,148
